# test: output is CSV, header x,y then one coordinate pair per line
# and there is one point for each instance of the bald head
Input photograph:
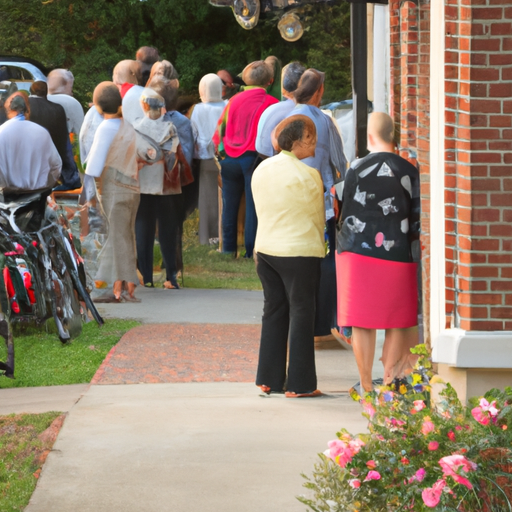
x,y
381,127
127,72
60,81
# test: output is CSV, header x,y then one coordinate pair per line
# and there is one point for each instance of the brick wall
x,y
479,164
409,104
478,149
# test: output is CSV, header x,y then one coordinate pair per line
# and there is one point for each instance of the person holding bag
x,y
160,187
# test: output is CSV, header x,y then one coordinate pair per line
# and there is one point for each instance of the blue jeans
x,y
236,177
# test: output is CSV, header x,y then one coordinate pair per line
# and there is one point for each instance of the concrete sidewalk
x,y
187,448
189,305
193,446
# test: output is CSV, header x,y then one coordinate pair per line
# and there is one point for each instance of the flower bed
x,y
420,456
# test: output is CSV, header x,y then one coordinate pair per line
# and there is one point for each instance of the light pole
x,y
359,57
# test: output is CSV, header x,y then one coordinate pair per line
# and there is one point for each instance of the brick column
x,y
479,164
409,105
475,354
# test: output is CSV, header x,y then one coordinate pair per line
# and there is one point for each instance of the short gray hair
x,y
60,81
291,75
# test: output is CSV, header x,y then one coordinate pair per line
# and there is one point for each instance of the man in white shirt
x,y
274,114
60,90
29,160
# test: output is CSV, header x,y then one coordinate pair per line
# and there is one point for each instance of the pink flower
x,y
451,435
463,480
427,427
432,495
372,475
485,412
341,452
419,405
480,416
355,483
371,464
418,476
355,445
369,409
489,407
394,424
453,463
433,446
457,466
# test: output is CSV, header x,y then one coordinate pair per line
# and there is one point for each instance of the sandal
x,y
265,389
311,394
169,285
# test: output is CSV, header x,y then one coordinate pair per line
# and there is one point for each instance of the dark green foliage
x,y
91,36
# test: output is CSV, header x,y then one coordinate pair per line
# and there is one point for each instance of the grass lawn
x,y
22,453
205,267
42,360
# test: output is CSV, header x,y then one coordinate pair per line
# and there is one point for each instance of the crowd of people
x,y
332,242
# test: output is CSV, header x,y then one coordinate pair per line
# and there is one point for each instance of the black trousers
x,y
290,288
326,304
167,212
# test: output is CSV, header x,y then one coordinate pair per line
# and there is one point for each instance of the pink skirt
x,y
376,294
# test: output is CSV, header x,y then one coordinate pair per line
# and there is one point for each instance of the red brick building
x,y
449,89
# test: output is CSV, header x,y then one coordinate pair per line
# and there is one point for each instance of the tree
x,y
91,36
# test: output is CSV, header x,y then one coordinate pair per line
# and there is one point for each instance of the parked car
x,y
21,71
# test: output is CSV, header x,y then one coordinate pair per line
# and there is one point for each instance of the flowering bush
x,y
420,456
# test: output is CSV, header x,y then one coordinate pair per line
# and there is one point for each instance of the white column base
x,y
474,361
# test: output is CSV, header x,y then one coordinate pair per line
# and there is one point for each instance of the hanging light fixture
x,y
290,26
247,12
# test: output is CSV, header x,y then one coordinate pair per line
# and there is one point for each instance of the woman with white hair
x,y
205,117
160,187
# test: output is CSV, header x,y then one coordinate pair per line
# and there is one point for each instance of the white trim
x,y
473,349
437,171
381,63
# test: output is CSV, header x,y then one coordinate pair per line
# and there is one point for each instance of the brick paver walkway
x,y
167,353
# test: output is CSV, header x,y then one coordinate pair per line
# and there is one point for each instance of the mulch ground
x,y
166,353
